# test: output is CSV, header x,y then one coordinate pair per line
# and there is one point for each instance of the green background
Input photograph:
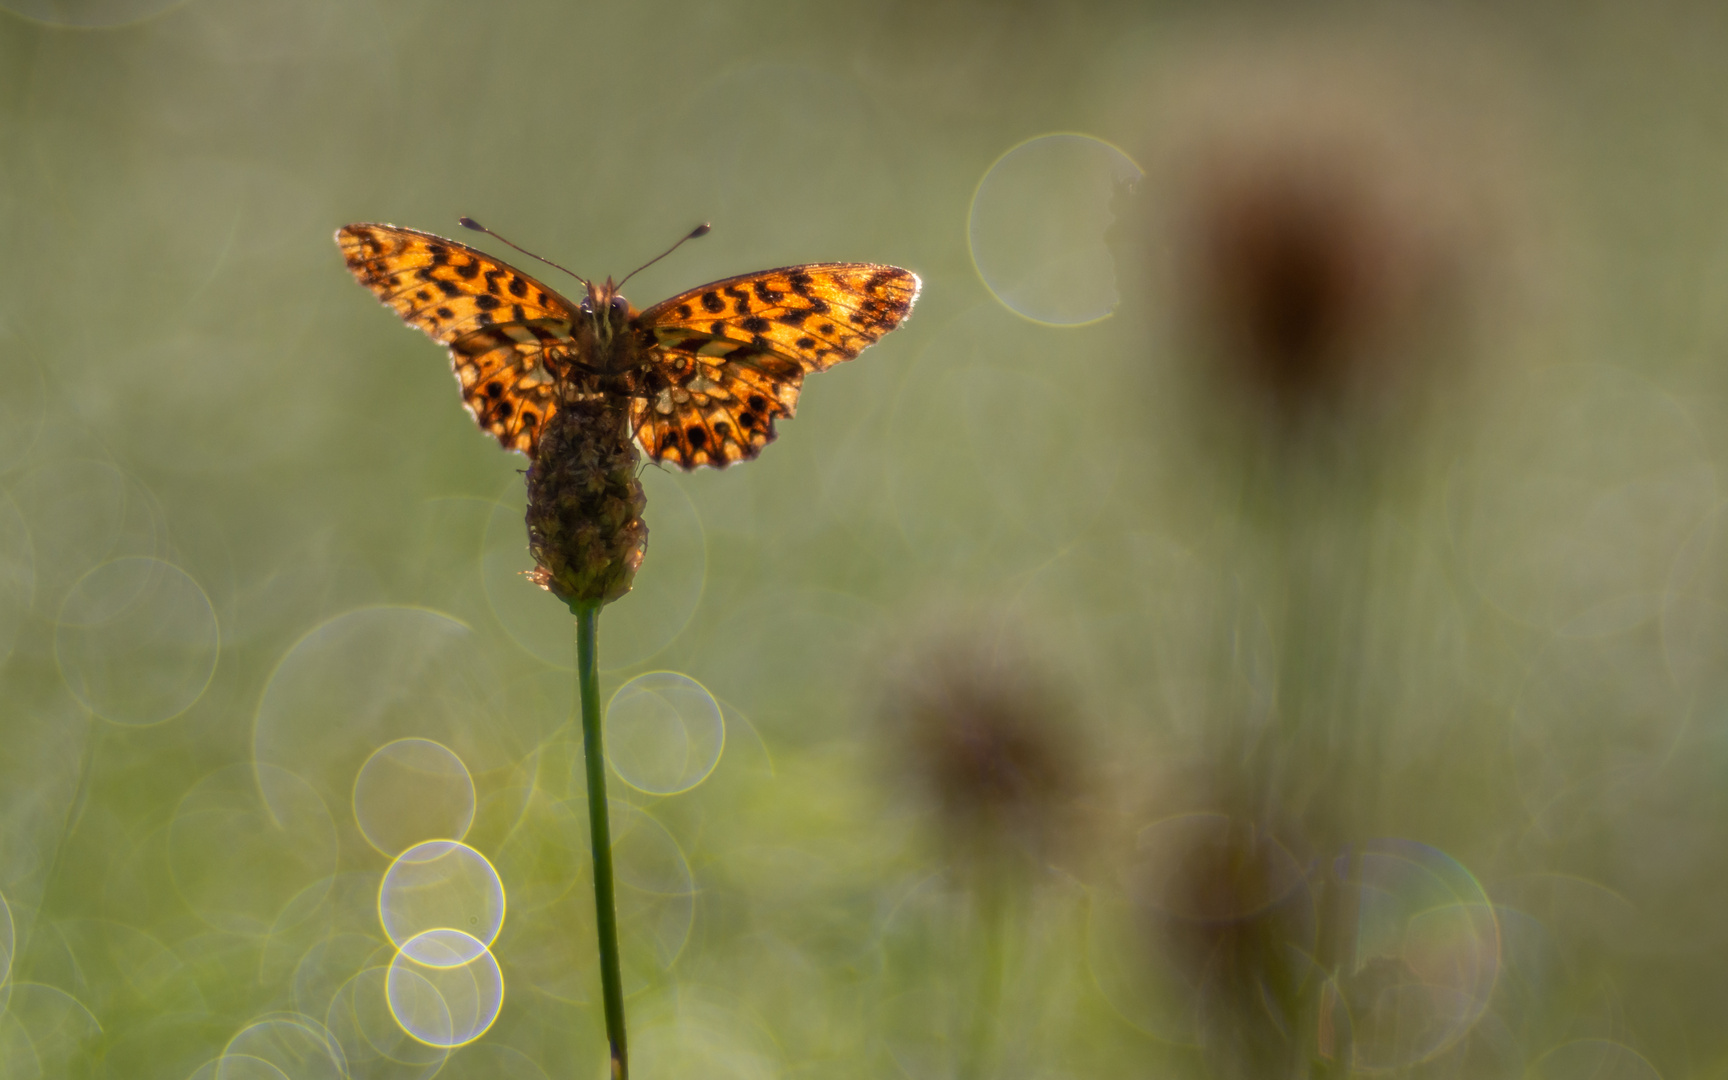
x,y
248,536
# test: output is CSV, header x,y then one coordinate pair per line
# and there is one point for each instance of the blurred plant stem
x,y
1314,527
1340,905
600,832
989,897
1321,527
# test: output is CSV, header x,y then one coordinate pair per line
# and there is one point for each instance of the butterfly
x,y
705,374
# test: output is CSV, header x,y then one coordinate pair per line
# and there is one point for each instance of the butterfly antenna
x,y
700,230
470,223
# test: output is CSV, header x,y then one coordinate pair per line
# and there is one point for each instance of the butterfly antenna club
x,y
470,223
700,230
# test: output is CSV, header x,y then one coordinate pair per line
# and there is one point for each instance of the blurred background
x,y
1264,615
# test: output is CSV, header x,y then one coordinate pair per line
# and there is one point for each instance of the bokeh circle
x,y
375,1044
445,988
441,885
298,1046
664,733
656,894
412,790
82,513
238,1067
246,842
1038,223
1427,954
1597,1059
137,641
372,675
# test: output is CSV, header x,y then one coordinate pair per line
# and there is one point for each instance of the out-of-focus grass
x,y
248,540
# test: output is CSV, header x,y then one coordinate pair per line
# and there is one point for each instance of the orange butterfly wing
x,y
731,356
509,335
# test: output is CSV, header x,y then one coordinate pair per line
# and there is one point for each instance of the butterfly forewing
x,y
817,315
509,335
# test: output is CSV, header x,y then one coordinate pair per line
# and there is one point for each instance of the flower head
x,y
585,526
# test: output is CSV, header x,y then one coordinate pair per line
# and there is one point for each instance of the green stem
x,y
600,834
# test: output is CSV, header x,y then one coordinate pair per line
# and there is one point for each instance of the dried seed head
x,y
585,526
1313,282
1229,909
1328,230
986,744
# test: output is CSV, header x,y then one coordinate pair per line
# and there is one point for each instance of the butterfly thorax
x,y
608,339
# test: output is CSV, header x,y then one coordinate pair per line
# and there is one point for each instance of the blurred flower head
x,y
1326,204
1314,282
986,741
1227,909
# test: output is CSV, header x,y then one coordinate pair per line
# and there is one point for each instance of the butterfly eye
x,y
620,306
587,306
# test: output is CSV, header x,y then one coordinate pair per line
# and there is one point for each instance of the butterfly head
x,y
606,310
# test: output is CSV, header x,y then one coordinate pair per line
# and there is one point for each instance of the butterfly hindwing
x,y
507,385
816,315
699,411
509,335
